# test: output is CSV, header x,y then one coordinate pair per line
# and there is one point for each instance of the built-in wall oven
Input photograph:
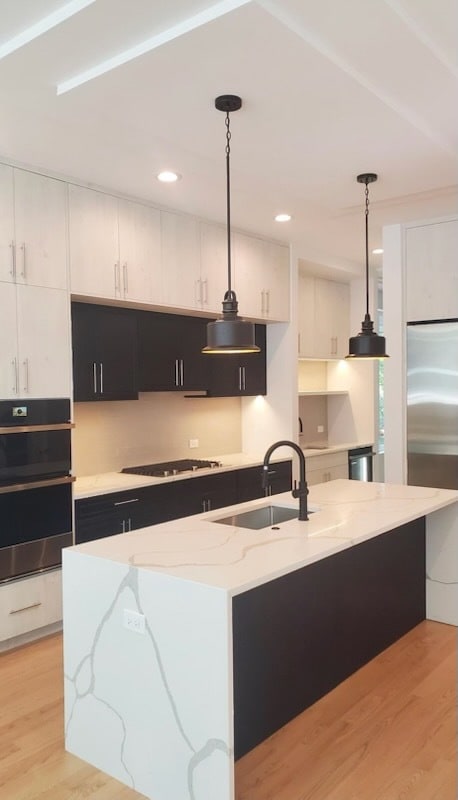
x,y
35,485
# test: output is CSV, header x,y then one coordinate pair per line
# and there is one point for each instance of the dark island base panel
x,y
297,637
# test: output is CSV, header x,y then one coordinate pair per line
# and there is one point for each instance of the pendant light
x,y
230,334
367,344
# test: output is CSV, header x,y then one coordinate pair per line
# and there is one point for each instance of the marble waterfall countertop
x,y
148,626
235,559
92,485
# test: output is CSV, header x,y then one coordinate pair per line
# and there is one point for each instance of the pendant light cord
x,y
228,208
367,249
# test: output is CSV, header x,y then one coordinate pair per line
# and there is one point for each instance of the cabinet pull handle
x,y
101,378
203,505
126,502
94,376
198,292
205,285
24,265
267,301
123,526
129,525
15,376
125,277
244,379
240,379
25,364
177,373
25,608
181,372
13,261
117,278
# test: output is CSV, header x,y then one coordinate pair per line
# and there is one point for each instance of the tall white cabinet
x,y
34,303
324,318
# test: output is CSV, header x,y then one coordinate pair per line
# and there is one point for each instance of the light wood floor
x,y
387,733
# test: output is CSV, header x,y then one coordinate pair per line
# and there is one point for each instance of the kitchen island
x,y
187,643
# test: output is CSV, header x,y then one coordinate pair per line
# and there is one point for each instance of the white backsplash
x,y
157,427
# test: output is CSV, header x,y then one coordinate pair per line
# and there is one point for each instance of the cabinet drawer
x,y
327,460
30,603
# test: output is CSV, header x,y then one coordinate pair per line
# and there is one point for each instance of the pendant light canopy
x,y
367,344
230,334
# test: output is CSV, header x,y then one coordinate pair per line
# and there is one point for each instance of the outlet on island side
x,y
193,443
134,621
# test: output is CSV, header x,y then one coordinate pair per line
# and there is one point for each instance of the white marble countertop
x,y
90,485
236,559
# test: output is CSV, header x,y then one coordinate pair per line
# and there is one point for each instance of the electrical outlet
x,y
134,621
193,443
320,429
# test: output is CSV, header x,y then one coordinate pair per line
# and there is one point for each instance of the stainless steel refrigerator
x,y
432,404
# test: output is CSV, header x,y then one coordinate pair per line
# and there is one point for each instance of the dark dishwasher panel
x,y
360,466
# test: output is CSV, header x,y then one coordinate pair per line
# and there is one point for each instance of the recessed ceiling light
x,y
167,176
282,217
377,251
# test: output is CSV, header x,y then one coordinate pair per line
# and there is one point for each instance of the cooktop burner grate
x,y
166,468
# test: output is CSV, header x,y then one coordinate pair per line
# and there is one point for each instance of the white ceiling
x,y
330,89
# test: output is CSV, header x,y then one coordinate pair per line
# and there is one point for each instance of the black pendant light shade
x,y
230,334
367,344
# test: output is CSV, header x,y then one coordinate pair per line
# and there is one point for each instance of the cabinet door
x,y
431,250
276,282
213,269
331,319
104,353
170,357
248,275
40,206
9,376
140,252
7,253
196,495
180,260
44,354
94,246
306,315
235,375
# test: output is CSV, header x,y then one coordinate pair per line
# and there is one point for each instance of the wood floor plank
x,y
387,733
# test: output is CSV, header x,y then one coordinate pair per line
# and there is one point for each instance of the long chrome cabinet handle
x,y
13,260
24,487
267,301
126,502
125,277
101,377
24,262
25,608
181,372
177,372
14,364
205,293
94,376
25,364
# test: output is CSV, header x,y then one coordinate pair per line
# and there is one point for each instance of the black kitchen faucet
x,y
300,491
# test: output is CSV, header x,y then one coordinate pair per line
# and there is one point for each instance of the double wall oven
x,y
35,485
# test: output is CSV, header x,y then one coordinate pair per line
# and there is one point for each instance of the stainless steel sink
x,y
264,517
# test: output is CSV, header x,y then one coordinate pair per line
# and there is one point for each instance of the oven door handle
x,y
23,487
59,426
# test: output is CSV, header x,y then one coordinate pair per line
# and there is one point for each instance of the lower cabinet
x,y
328,467
30,603
330,618
121,512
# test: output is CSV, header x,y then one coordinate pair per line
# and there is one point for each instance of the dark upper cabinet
x,y
170,357
104,352
233,375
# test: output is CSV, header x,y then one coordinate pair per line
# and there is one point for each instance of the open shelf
x,y
319,392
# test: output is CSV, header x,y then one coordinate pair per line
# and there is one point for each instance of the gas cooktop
x,y
167,468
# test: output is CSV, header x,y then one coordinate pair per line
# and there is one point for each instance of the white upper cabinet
x,y
114,247
306,315
324,318
139,252
431,250
213,267
261,278
35,359
181,283
94,245
33,229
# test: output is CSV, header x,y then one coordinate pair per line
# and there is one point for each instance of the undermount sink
x,y
264,517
